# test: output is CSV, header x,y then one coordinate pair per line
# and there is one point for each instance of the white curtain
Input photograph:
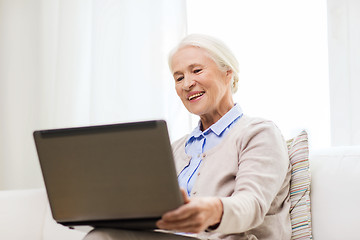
x,y
344,66
66,63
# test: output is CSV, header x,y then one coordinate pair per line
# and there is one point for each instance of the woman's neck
x,y
209,119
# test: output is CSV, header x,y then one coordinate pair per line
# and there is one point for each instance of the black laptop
x,y
119,175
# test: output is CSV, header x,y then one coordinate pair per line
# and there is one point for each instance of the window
x,y
281,46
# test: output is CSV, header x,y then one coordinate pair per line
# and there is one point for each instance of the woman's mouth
x,y
195,96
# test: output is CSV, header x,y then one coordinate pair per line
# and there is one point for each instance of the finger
x,y
179,214
187,225
184,195
206,211
182,212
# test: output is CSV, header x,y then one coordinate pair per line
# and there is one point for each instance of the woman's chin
x,y
196,108
196,111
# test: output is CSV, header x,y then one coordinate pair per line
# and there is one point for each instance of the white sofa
x,y
335,193
25,214
335,198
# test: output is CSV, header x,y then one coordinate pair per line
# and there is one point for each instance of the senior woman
x,y
233,169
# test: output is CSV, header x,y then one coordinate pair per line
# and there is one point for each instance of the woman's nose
x,y
188,83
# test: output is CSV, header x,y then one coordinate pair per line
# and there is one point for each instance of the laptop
x,y
118,175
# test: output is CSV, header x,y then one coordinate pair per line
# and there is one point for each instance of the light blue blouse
x,y
199,142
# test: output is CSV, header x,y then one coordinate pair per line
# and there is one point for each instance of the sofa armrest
x,y
22,214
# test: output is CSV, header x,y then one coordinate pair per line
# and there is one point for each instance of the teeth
x,y
196,95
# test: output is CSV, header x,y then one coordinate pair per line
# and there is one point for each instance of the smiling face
x,y
202,87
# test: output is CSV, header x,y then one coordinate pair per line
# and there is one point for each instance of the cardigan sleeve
x,y
263,173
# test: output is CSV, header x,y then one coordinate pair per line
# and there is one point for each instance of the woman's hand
x,y
196,215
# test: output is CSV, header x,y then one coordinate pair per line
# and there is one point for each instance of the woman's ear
x,y
229,74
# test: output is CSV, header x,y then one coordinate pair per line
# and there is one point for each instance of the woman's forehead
x,y
190,56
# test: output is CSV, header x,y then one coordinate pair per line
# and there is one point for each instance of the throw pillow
x,y
300,187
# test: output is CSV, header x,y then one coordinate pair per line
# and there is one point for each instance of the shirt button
x,y
198,174
194,193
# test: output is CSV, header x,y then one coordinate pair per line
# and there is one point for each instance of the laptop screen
x,y
119,171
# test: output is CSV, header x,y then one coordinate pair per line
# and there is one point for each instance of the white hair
x,y
217,50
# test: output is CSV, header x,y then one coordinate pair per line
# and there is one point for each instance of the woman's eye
x,y
197,70
179,79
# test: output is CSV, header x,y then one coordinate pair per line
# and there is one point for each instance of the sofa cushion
x,y
335,193
300,187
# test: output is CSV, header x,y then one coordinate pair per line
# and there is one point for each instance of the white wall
x,y
344,69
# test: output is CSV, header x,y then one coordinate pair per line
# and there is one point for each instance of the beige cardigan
x,y
250,172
